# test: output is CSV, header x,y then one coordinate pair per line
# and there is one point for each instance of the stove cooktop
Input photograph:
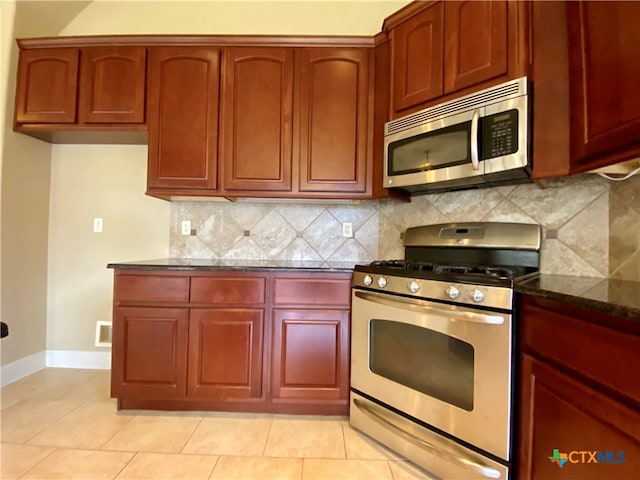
x,y
446,272
509,272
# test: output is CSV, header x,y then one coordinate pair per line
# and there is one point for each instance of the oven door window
x,y
424,360
441,148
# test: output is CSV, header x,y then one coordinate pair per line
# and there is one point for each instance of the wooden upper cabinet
x,y
89,85
183,119
442,49
417,49
112,85
334,138
475,42
256,118
604,41
47,85
585,79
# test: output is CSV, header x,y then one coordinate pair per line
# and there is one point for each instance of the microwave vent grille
x,y
495,94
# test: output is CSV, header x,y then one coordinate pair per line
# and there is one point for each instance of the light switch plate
x,y
98,225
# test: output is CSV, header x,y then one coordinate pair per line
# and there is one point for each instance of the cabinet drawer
x,y
149,288
228,289
600,354
312,291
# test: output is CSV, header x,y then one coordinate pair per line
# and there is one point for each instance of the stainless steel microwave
x,y
478,140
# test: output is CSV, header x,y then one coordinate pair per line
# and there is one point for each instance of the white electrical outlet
x,y
98,224
347,229
186,227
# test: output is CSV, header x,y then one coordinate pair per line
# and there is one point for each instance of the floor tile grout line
x,y
34,466
344,440
135,454
213,468
266,440
192,433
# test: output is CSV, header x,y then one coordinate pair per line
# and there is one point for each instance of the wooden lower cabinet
x,y
579,397
565,415
310,357
238,341
149,357
225,353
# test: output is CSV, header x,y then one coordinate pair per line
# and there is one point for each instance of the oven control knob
x,y
368,280
382,282
414,286
477,295
452,292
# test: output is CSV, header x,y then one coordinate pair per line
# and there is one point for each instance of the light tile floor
x,y
61,424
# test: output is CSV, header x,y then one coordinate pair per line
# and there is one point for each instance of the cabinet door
x,y
112,85
256,118
310,358
149,356
560,414
183,118
475,42
604,41
47,86
225,353
417,58
334,138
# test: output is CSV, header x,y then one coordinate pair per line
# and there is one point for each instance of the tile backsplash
x,y
591,225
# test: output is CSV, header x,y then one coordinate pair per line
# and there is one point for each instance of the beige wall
x,y
307,17
24,188
89,181
24,211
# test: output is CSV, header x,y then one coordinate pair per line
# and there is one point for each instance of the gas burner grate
x,y
503,272
482,270
389,264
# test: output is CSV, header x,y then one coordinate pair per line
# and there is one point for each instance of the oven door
x,y
445,365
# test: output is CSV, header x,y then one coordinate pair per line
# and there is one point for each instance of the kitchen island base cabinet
x,y
231,341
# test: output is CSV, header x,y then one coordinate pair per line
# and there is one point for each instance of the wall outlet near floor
x,y
347,229
185,227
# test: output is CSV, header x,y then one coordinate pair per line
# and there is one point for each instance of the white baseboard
x,y
24,367
76,359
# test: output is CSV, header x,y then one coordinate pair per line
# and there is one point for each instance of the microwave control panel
x,y
499,134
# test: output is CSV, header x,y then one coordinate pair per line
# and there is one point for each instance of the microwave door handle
x,y
451,456
420,306
475,162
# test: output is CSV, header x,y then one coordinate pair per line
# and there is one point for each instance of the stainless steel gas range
x,y
432,361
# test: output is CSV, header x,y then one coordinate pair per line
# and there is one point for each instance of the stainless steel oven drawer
x,y
439,456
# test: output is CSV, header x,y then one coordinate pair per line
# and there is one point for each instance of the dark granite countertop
x,y
198,264
615,297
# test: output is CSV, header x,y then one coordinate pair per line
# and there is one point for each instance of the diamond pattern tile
x,y
591,215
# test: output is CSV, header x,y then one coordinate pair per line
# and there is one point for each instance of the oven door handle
x,y
454,457
421,306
